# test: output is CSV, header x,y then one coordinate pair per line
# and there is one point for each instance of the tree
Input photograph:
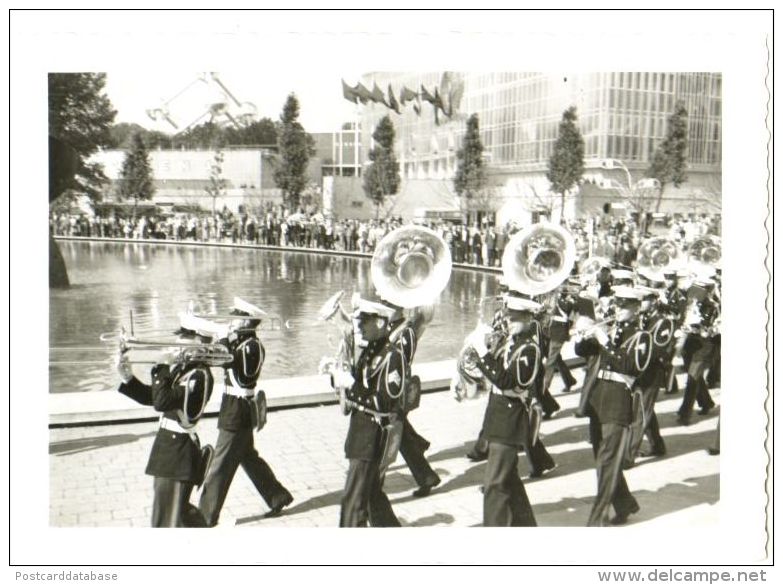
x,y
669,163
80,117
217,183
382,175
471,176
136,173
295,147
567,164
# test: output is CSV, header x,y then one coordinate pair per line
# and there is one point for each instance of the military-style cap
x,y
368,307
250,309
522,304
628,293
622,274
652,275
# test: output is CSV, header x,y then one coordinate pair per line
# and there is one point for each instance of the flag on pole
x,y
393,104
407,95
349,93
362,93
377,95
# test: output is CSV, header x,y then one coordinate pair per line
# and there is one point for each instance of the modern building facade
x,y
621,115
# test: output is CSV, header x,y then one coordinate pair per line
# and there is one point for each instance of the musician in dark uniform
x,y
413,446
557,335
507,422
623,354
371,392
674,304
240,410
654,319
180,392
701,321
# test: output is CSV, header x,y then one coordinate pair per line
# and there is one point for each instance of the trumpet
x,y
209,354
586,327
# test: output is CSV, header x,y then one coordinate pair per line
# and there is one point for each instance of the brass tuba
x,y
411,266
538,258
656,255
704,253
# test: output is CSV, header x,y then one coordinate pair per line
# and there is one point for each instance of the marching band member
x,y
557,335
661,328
413,445
673,303
623,354
242,412
180,392
371,389
507,422
701,321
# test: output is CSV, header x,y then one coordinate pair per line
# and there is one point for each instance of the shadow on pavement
x,y
75,446
670,498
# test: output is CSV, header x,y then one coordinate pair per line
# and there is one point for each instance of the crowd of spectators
x,y
616,238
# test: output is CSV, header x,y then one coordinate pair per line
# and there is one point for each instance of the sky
x,y
322,106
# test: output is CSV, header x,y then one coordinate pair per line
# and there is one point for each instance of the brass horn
x,y
538,258
411,266
656,255
590,267
705,252
211,354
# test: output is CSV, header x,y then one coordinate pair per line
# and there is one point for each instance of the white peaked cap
x,y
516,303
248,308
361,305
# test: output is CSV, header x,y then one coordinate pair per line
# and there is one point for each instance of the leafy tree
x,y
669,163
136,173
471,176
382,175
567,163
295,147
80,117
217,183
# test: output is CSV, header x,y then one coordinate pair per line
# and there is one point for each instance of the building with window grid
x,y
621,115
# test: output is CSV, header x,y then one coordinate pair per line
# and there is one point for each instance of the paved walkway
x,y
97,473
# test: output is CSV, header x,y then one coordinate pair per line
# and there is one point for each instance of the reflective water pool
x,y
156,281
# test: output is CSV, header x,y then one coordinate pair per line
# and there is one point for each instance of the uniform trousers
x,y
412,448
235,448
648,425
555,361
170,505
537,456
696,387
609,444
363,501
505,499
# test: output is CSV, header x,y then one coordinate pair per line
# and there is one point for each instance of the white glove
x,y
478,341
343,379
123,367
601,336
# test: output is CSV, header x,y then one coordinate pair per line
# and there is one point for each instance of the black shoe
x,y
705,410
659,451
536,473
278,507
476,457
567,389
683,420
425,490
621,519
713,451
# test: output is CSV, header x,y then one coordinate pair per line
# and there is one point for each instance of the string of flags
x,y
445,99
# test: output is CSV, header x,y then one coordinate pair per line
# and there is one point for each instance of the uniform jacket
x,y
249,356
379,375
611,400
515,367
174,455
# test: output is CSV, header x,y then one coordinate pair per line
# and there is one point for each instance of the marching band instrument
x,y
210,354
539,258
590,267
586,327
657,255
411,266
704,254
